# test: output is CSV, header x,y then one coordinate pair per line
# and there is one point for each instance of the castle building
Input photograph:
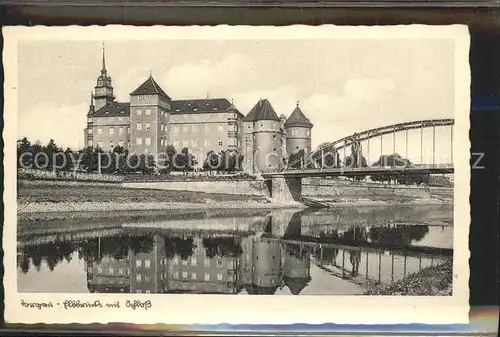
x,y
151,121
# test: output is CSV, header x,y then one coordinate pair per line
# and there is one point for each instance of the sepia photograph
x,y
324,162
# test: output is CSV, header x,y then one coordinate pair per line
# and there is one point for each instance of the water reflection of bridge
x,y
257,255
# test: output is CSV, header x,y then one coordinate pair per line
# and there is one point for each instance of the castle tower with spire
x,y
298,132
88,132
103,91
263,139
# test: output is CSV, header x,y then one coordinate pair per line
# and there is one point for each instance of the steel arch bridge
x,y
315,158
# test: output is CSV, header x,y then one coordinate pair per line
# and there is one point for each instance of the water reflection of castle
x,y
213,265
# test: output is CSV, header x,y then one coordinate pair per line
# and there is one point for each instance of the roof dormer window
x,y
214,109
195,109
177,109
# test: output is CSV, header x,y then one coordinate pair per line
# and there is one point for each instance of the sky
x,y
343,86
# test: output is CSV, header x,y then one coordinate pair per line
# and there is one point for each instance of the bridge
x,y
326,161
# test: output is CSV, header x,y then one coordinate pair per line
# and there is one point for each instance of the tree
x,y
24,147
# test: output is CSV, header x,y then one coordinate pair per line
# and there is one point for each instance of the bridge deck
x,y
356,171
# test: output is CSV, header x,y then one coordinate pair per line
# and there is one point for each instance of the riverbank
x,y
431,281
34,201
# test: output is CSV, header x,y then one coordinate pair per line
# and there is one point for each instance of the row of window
x,y
111,119
193,144
111,143
111,271
121,130
142,278
176,260
194,128
247,138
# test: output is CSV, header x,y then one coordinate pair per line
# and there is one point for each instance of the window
x,y
274,125
148,141
120,271
185,143
176,129
185,128
147,263
294,132
138,278
99,269
220,127
261,124
161,127
194,128
308,132
111,271
89,143
99,131
274,137
148,112
162,112
274,150
99,144
206,263
207,128
194,143
230,264
219,277
139,113
138,263
176,143
120,143
193,276
176,260
147,278
138,291
184,274
120,130
148,291
220,143
148,127
89,131
139,141
128,130
111,131
184,262
207,277
219,262
193,261
207,142
161,141
89,120
111,143
176,275
230,278
139,126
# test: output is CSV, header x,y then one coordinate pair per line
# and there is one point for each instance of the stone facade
x,y
151,121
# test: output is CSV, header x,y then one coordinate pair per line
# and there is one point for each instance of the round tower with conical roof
x,y
298,132
263,138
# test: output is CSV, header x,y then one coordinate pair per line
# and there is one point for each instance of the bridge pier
x,y
285,189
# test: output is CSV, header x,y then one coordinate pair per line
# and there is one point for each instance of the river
x,y
306,252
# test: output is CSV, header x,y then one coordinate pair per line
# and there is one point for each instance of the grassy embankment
x,y
431,281
45,198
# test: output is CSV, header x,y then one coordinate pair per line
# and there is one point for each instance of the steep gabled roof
x,y
150,87
113,109
199,105
297,118
263,110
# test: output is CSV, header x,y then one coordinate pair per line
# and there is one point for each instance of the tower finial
x,y
297,104
150,73
91,99
103,57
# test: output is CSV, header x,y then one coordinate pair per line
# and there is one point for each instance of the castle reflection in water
x,y
215,264
252,254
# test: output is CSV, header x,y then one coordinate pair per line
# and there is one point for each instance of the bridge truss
x,y
317,156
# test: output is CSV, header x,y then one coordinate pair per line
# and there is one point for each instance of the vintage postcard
x,y
149,171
